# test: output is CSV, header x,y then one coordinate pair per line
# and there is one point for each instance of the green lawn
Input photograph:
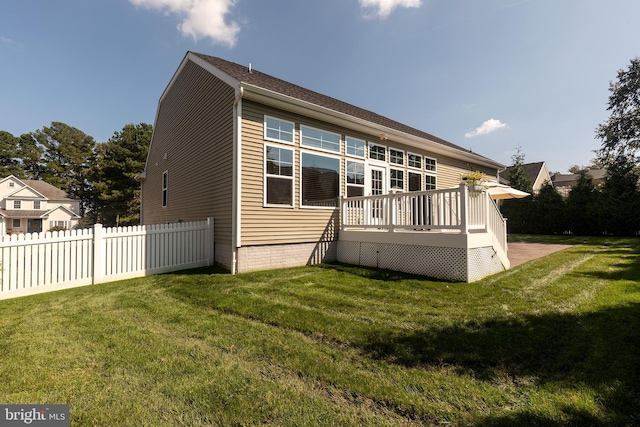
x,y
552,342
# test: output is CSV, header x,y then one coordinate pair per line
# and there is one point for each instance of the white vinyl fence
x,y
43,262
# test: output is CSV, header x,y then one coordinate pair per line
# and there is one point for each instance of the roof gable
x,y
47,190
64,209
25,193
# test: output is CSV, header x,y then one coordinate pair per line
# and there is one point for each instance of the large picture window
x,y
278,176
355,147
320,139
355,178
278,130
320,180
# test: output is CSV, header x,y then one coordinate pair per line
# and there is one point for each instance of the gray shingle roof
x,y
47,190
265,81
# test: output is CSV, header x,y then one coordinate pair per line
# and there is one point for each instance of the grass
x,y
552,342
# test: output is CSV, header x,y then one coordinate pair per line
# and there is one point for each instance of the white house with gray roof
x,y
31,206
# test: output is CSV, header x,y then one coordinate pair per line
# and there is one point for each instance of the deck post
x,y
464,208
391,205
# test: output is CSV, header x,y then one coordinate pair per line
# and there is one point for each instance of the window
x,y
396,157
355,147
355,178
414,161
430,164
415,181
278,130
320,139
165,187
17,204
279,176
396,179
429,182
377,152
12,184
36,204
320,180
16,223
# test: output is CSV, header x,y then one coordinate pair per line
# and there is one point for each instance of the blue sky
x,y
489,75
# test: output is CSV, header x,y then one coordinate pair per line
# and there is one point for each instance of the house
x,y
565,182
538,175
274,163
30,206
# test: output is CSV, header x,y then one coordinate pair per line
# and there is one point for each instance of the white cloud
x,y
6,41
489,126
382,8
200,18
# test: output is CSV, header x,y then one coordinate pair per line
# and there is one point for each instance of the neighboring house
x,y
565,182
270,160
29,206
537,173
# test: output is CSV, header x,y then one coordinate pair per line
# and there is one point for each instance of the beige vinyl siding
x,y
193,141
281,225
276,225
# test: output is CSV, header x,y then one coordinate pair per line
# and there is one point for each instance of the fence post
x,y
464,208
211,244
98,254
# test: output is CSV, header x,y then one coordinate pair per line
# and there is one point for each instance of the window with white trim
x,y
16,223
430,164
377,152
36,205
278,130
320,180
17,204
396,157
355,178
165,187
430,182
320,139
355,147
278,170
415,181
414,161
396,179
12,184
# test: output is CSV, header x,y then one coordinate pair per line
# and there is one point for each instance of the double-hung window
x,y
396,179
320,180
17,204
355,147
278,176
165,187
278,130
319,139
36,205
355,178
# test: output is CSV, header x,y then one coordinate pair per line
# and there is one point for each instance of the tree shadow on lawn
x,y
600,350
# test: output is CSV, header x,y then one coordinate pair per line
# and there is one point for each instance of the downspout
x,y
237,179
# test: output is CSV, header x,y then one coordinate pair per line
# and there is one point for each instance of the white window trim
x,y
292,177
316,153
293,134
346,182
386,152
165,200
421,161
404,176
324,150
364,148
434,171
424,180
403,164
17,204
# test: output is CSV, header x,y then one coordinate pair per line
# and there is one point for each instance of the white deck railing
x,y
456,209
